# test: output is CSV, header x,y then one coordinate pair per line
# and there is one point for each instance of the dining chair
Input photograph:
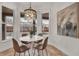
x,y
24,35
19,49
36,43
42,47
40,34
26,43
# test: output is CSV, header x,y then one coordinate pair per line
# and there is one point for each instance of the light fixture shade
x,y
30,13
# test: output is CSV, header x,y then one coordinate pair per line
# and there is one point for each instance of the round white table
x,y
34,38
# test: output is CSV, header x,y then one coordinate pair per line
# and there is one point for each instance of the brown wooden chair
x,y
42,47
28,44
24,35
25,42
36,43
19,49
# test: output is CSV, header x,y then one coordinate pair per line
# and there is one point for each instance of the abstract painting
x,y
67,21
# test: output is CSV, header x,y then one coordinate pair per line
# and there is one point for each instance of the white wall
x,y
6,44
68,45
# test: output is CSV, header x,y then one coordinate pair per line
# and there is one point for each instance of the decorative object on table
x,y
68,21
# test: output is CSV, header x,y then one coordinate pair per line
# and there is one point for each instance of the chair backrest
x,y
39,41
25,42
24,35
45,43
16,45
40,34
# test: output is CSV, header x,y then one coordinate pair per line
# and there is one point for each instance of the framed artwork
x,y
68,21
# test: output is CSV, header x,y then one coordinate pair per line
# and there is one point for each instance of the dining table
x,y
31,39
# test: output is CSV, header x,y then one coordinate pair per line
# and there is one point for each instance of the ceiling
x,y
36,4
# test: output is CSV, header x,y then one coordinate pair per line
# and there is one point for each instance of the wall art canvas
x,y
67,21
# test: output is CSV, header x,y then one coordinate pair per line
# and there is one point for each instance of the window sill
x,y
7,39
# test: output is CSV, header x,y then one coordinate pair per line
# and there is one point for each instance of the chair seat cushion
x,y
39,46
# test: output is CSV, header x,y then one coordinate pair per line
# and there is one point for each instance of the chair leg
x,y
34,52
14,53
38,53
46,52
28,52
42,53
24,53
